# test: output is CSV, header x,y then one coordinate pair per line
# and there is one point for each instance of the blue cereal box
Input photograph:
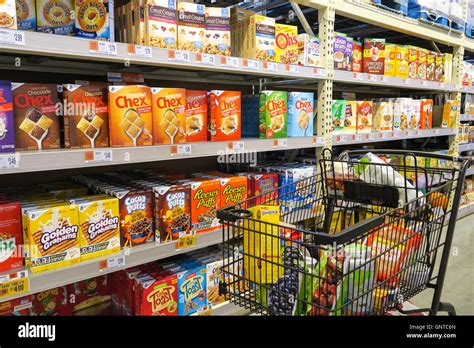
x,y
192,289
300,114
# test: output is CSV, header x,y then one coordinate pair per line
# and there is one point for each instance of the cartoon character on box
x,y
89,292
192,295
51,302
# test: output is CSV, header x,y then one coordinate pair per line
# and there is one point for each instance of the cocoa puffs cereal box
x,y
225,111
169,115
130,117
196,116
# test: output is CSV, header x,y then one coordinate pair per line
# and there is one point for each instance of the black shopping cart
x,y
369,232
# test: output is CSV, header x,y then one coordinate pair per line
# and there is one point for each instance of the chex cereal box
x,y
191,26
225,112
234,190
7,128
10,236
53,237
273,108
93,19
54,16
99,223
192,286
52,302
160,23
286,43
26,15
130,116
205,201
159,296
89,292
8,14
217,39
169,115
196,116
300,114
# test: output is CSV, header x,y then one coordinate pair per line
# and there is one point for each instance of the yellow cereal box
x,y
382,115
54,16
53,237
448,67
350,118
286,44
401,64
450,109
99,226
259,34
390,59
422,60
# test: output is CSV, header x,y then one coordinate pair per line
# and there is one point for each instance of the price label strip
x,y
250,64
236,145
205,58
141,51
269,66
186,242
12,37
230,61
178,55
294,69
98,156
114,262
358,76
14,284
103,47
280,143
10,161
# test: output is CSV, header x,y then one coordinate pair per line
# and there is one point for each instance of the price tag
x,y
435,131
343,139
206,311
411,134
358,137
250,64
12,37
383,78
186,242
141,51
230,61
103,47
294,69
182,150
424,83
114,262
280,142
372,77
178,55
319,72
357,76
407,81
204,58
95,156
14,284
10,161
236,145
269,66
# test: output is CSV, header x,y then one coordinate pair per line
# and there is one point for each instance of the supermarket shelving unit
x,y
88,57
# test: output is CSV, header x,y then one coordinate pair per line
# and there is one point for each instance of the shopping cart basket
x,y
369,232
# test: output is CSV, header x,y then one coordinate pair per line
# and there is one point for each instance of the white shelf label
x,y
343,139
252,64
318,140
230,61
10,161
358,76
372,77
411,133
103,47
383,78
358,137
294,69
319,72
178,55
140,51
12,37
280,142
237,145
95,156
424,83
113,262
204,58
407,81
271,66
182,150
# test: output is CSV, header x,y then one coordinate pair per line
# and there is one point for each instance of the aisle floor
x,y
459,283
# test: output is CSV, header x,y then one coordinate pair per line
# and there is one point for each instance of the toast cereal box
x,y
130,116
54,17
52,302
159,295
413,62
422,63
7,127
364,116
160,23
390,59
172,212
357,56
93,19
196,116
374,56
205,202
382,116
233,190
430,65
218,37
286,44
259,38
86,116
225,115
26,15
8,14
169,115
401,64
300,114
99,223
36,118
191,26
192,286
308,50
11,236
53,237
89,292
350,118
426,114
273,114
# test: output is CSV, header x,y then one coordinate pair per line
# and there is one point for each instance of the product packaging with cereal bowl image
x,y
8,19
54,16
225,111
93,19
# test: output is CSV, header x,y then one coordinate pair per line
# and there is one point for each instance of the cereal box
x,y
466,133
300,114
348,54
339,50
139,12
382,116
401,112
26,15
364,116
265,184
169,115
286,44
450,109
53,234
191,26
196,116
237,24
8,14
130,116
36,118
160,23
86,116
52,302
338,114
357,57
430,65
192,286
89,292
99,223
54,16
273,114
422,63
7,128
233,190
172,212
426,114
225,115
374,56
438,75
413,62
159,295
308,50
10,236
350,117
205,201
214,277
16,307
447,67
401,64
259,34
93,19
390,59
217,39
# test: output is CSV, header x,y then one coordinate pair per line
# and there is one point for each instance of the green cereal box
x,y
273,114
338,115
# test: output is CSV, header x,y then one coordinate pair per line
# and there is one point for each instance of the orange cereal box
x,y
225,111
233,190
196,116
169,116
205,201
130,117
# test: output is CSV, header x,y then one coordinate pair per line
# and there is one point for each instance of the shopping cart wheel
x,y
442,307
447,307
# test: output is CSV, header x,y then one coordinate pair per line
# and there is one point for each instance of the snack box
x,y
160,23
426,114
450,109
374,56
350,117
158,295
225,115
192,289
390,60
16,307
218,36
300,114
140,32
286,44
26,15
52,302
273,114
205,202
357,56
339,51
401,64
7,127
430,65
294,193
11,236
308,50
413,62
191,26
382,116
348,54
338,114
89,292
439,67
364,116
94,19
259,38
169,115
214,277
238,27
54,17
9,14
264,184
196,116
422,63
234,189
401,112
130,116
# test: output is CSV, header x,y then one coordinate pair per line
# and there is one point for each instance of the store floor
x,y
459,283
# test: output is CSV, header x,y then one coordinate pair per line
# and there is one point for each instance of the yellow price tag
x,y
186,242
14,285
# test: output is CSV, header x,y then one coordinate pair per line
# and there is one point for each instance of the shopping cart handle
x,y
405,152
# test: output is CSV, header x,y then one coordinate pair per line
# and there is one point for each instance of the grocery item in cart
x,y
300,114
8,14
413,62
259,38
26,15
90,292
390,59
374,56
86,116
169,115
426,114
286,44
35,109
54,16
52,302
217,39
130,116
383,115
196,115
364,116
191,26
401,64
192,289
7,128
10,236
273,114
225,115
205,202
357,56
93,19
308,50
160,23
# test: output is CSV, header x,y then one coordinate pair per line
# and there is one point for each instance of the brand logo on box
x,y
58,235
135,203
234,194
206,199
131,101
168,102
102,226
162,298
176,199
192,287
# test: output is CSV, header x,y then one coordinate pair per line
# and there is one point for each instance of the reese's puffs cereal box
x,y
205,201
169,117
225,112
234,190
196,116
130,117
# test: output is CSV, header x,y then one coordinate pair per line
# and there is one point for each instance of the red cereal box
x,y
159,295
234,190
51,302
205,201
262,184
10,236
16,307
90,292
196,116
225,111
